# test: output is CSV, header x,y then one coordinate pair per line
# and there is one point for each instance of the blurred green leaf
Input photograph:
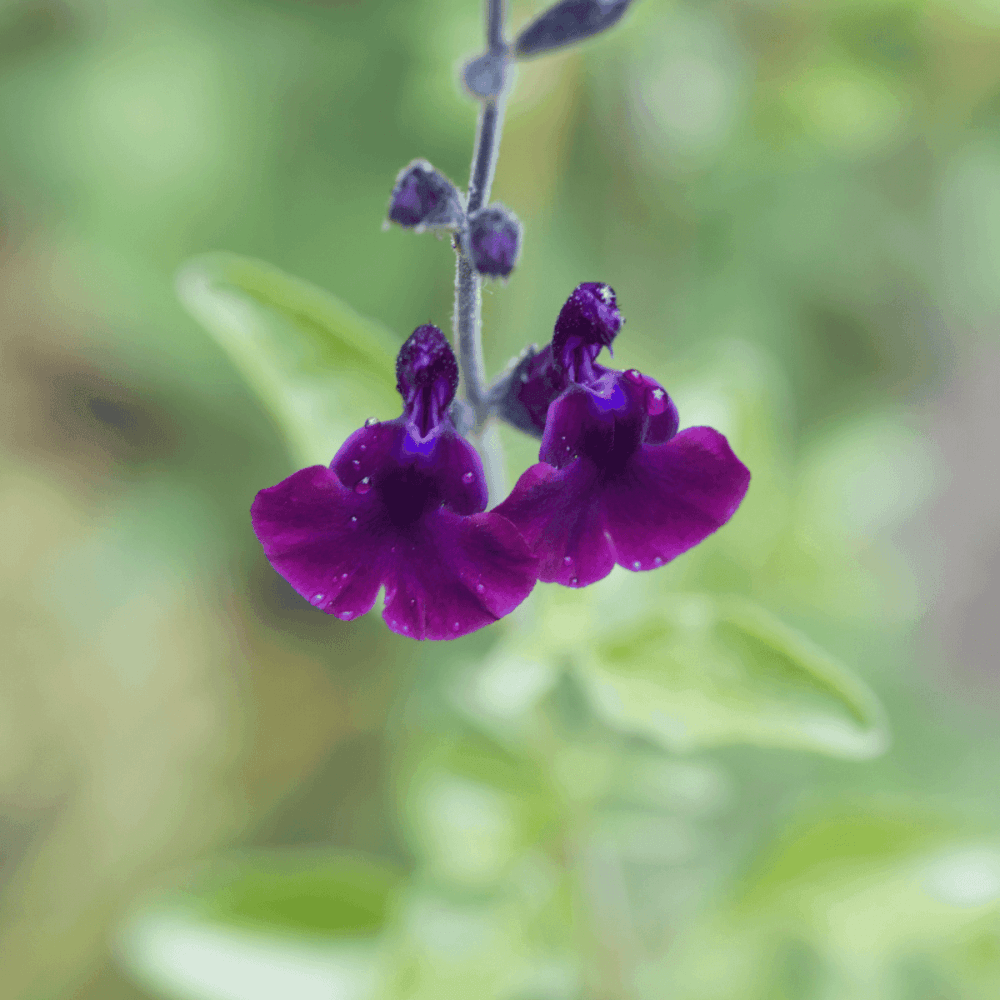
x,y
705,671
267,925
323,894
318,367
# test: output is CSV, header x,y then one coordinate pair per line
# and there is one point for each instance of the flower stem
x,y
468,284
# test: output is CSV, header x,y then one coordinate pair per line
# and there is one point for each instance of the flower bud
x,y
424,198
568,22
486,75
494,240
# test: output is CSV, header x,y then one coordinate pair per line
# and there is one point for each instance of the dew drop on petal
x,y
364,447
354,520
345,615
317,598
634,375
406,628
356,463
574,581
657,561
568,560
524,376
637,565
343,576
455,627
467,477
656,402
363,486
480,588
371,422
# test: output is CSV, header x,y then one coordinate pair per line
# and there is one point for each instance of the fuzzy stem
x,y
468,284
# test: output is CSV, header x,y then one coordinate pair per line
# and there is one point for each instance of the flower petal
x,y
560,515
671,496
458,470
367,451
457,575
327,541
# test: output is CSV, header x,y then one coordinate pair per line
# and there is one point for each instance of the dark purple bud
x,y
424,198
426,378
523,394
587,322
495,240
568,22
486,75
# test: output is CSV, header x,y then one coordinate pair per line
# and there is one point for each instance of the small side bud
x,y
486,75
423,198
568,22
494,240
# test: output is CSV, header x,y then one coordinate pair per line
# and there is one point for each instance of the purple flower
x,y
401,507
616,483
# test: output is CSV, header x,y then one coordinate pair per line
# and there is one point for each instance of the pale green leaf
x,y
301,924
318,367
705,671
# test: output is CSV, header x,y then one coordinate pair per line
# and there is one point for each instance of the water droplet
x,y
371,422
345,615
413,601
317,598
354,520
393,549
657,561
524,376
637,565
656,402
406,628
363,486
455,627
343,576
364,447
568,560
480,588
562,438
606,294
574,581
467,477
356,463
634,375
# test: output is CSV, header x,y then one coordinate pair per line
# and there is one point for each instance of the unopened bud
x,y
424,198
494,240
568,22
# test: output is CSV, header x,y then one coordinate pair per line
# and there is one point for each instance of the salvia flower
x,y
423,198
616,483
494,240
400,507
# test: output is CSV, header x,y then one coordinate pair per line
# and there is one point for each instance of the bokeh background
x,y
798,204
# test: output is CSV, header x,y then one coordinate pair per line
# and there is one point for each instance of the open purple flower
x,y
616,483
401,507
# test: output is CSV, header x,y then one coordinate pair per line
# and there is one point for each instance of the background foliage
x,y
652,788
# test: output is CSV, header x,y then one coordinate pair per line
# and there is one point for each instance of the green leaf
x,y
704,671
265,925
317,366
